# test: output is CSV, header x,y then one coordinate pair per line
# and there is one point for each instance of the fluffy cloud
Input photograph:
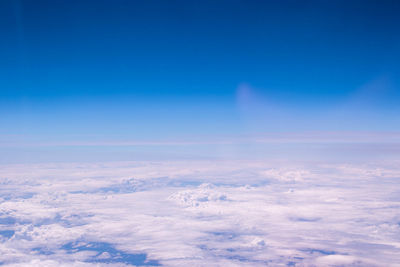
x,y
203,213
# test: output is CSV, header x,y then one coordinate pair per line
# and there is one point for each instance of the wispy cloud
x,y
262,137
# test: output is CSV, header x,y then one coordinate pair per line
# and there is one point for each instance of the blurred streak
x,y
257,111
374,92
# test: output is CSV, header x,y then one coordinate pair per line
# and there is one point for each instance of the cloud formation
x,y
202,213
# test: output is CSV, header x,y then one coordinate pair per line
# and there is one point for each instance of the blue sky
x,y
161,70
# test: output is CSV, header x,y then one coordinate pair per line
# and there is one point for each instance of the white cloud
x,y
220,213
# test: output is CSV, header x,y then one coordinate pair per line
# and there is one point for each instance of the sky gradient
x,y
76,71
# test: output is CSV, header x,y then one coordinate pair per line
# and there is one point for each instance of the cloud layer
x,y
203,213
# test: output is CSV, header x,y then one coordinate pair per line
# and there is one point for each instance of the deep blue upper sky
x,y
150,69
